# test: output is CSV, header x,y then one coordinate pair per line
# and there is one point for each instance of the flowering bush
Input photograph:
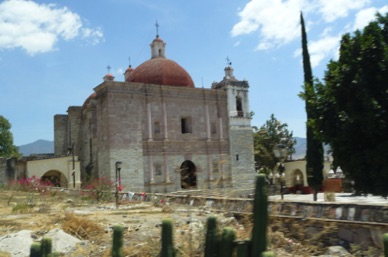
x,y
32,184
99,190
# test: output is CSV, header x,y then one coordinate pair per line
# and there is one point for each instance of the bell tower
x,y
240,130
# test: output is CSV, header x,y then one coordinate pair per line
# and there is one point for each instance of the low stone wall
x,y
324,210
350,223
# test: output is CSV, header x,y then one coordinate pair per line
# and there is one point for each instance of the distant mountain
x,y
46,147
300,148
38,147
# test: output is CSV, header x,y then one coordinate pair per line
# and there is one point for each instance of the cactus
x,y
46,246
227,242
243,248
211,239
167,239
117,247
260,217
267,254
385,237
35,250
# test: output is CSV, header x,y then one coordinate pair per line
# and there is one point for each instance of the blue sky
x,y
53,53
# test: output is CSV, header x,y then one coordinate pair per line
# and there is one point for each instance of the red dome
x,y
161,71
91,97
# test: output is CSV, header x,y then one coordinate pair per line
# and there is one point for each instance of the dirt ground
x,y
91,222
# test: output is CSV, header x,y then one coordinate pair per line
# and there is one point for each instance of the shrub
x,y
99,190
32,184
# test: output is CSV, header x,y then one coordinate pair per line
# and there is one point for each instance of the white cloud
x,y
323,47
37,27
365,16
277,20
331,10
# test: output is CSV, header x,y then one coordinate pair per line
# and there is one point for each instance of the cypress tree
x,y
314,152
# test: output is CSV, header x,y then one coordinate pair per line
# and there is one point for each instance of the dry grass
x,y
82,228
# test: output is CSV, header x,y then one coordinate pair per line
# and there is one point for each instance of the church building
x,y
157,132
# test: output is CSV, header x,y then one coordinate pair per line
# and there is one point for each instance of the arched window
x,y
239,108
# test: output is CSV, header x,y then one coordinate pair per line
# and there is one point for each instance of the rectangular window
x,y
158,169
156,127
215,166
213,128
186,125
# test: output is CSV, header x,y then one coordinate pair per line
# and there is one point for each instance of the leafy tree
x,y
271,135
314,151
352,107
7,149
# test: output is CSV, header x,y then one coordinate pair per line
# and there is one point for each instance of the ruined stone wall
x,y
61,135
74,127
3,171
350,223
8,170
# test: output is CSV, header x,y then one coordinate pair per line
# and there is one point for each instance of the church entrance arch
x,y
298,178
188,175
56,178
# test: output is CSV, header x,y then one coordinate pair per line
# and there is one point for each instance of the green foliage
x,y
314,151
7,148
117,247
167,239
385,238
352,106
227,242
211,241
271,135
260,217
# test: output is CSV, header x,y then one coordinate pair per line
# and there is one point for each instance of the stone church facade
x,y
168,134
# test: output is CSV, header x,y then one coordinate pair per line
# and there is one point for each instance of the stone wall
x,y
3,171
8,170
352,223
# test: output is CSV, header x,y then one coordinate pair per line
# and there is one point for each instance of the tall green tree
x,y
271,135
7,148
352,107
314,151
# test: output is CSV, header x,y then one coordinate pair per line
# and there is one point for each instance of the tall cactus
x,y
227,242
35,250
211,239
385,237
46,246
260,217
117,247
167,239
243,248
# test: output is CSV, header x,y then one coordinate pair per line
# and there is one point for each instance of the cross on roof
x,y
228,62
157,28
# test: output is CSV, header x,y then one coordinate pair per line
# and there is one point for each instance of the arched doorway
x,y
298,178
188,175
56,178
